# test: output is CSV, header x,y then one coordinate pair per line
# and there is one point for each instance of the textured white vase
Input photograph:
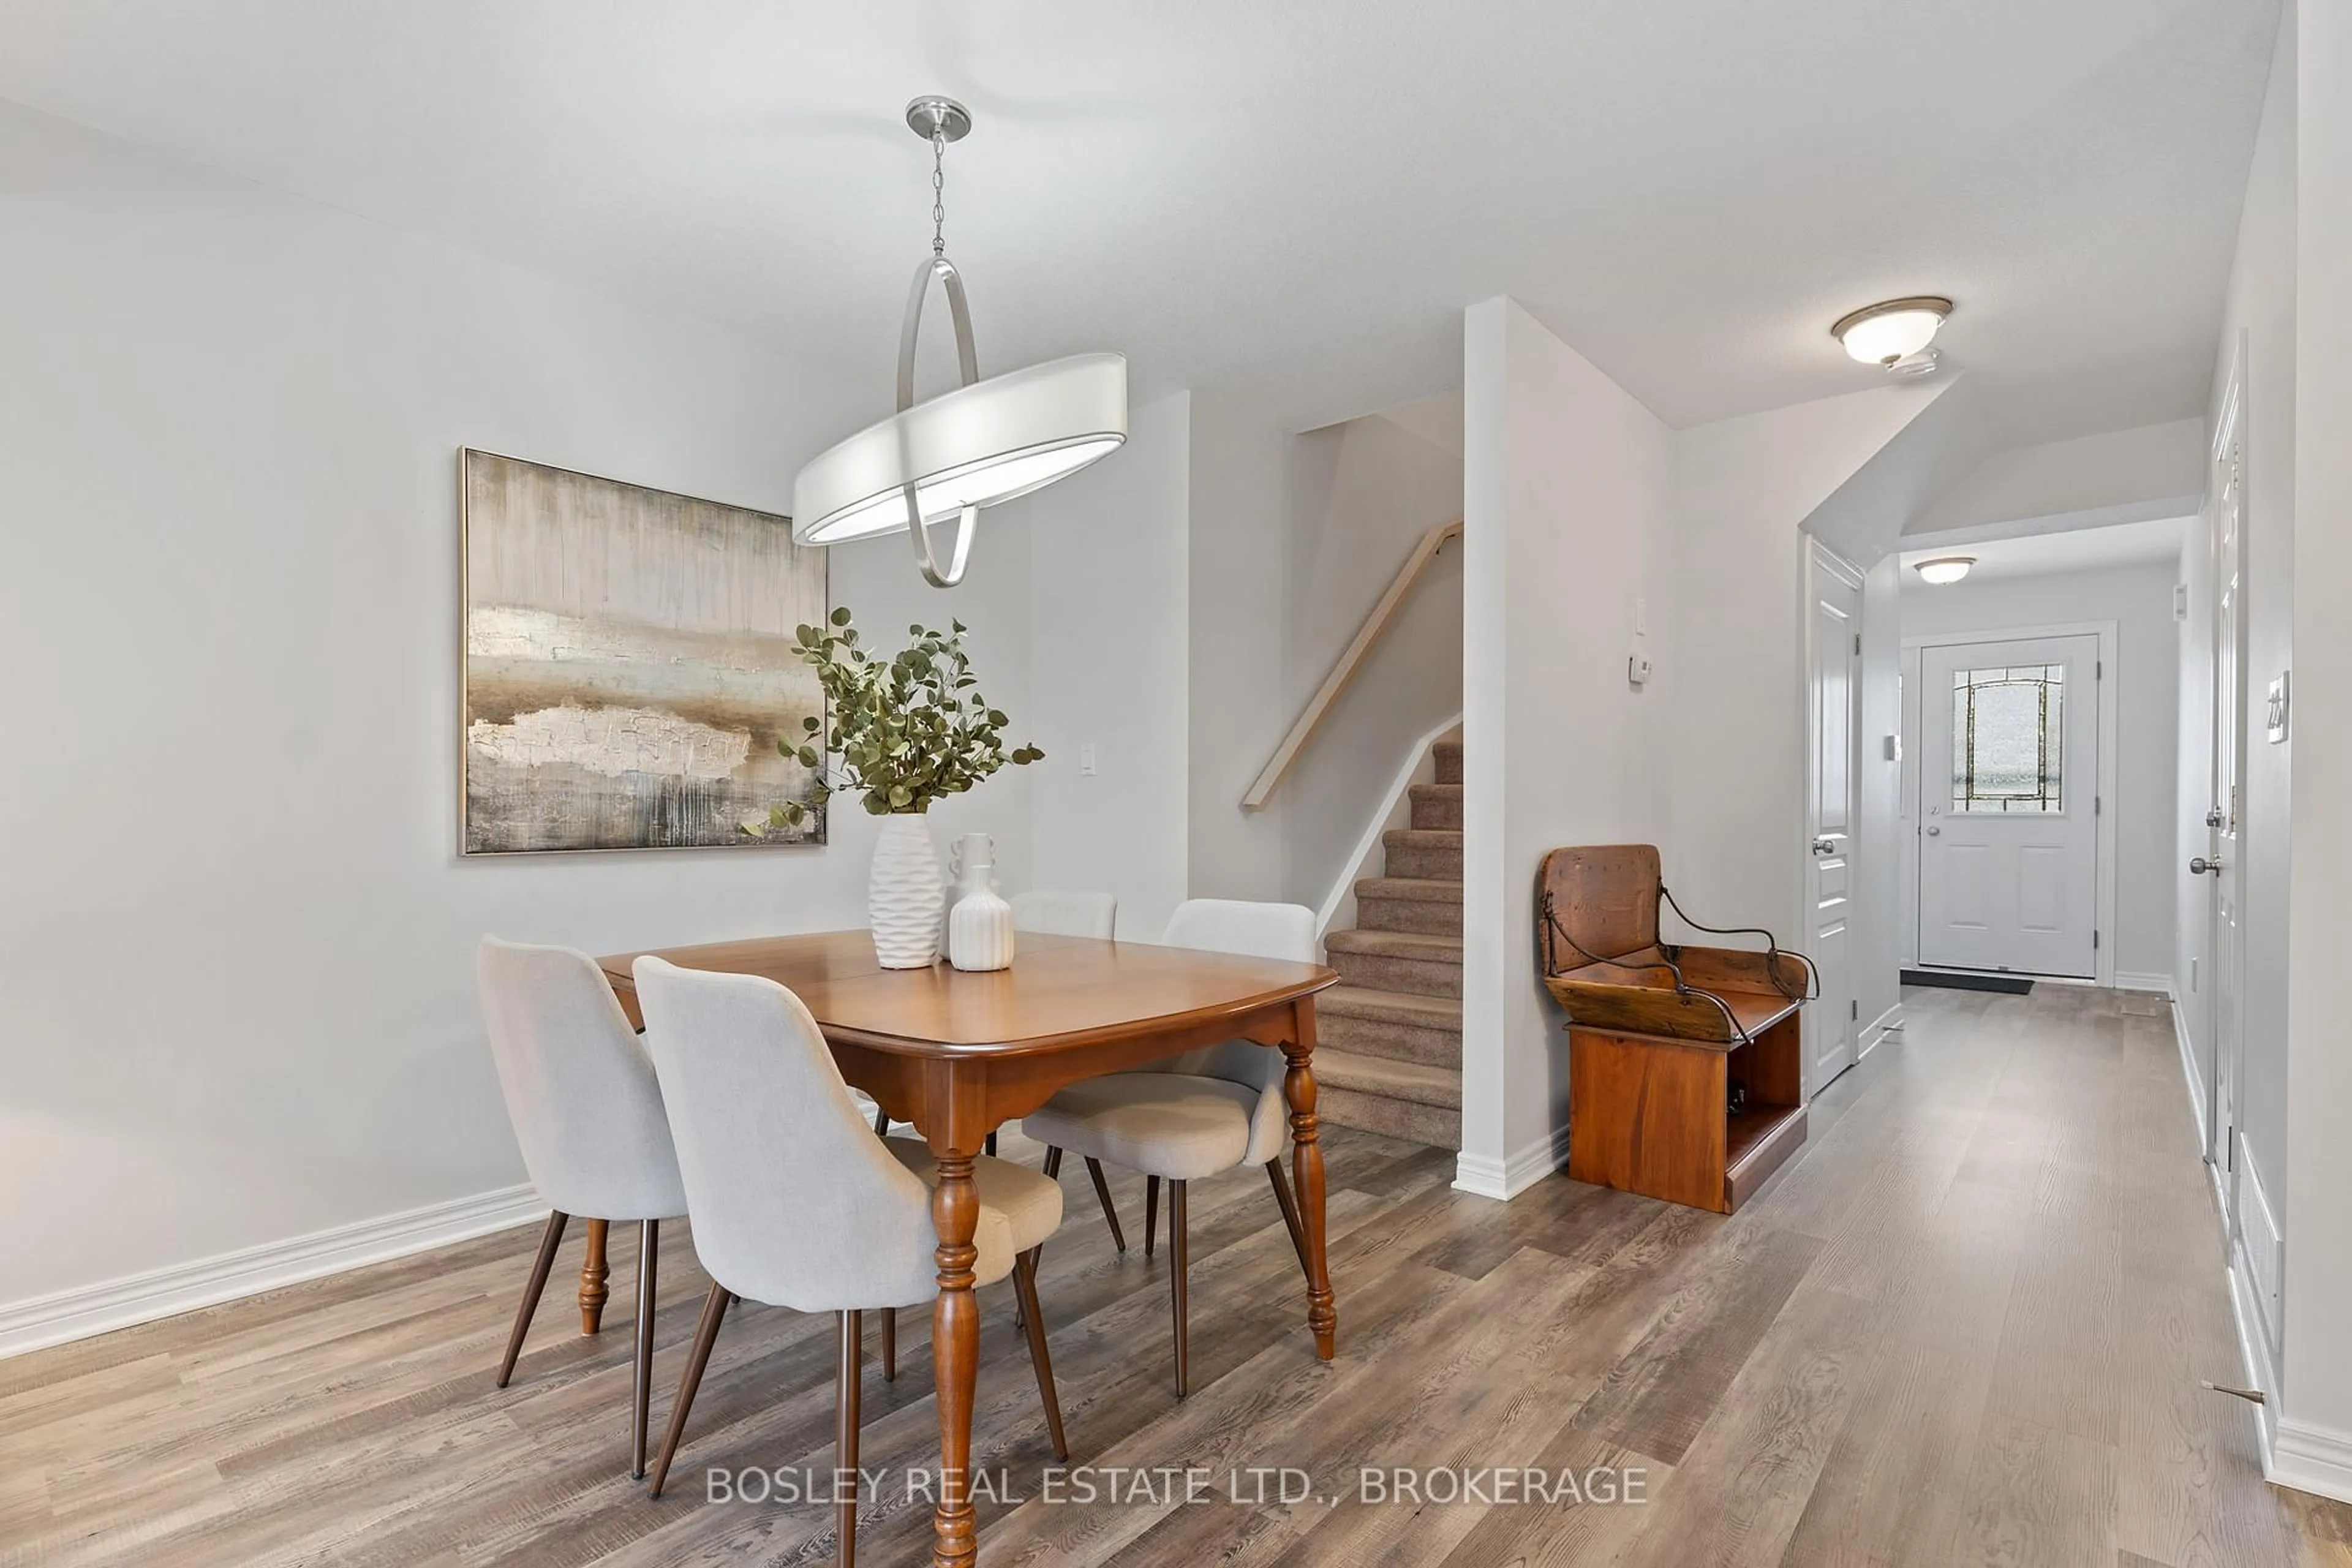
x,y
980,922
904,894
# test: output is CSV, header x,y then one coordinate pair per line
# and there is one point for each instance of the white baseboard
x,y
2126,980
2189,1070
182,1288
2312,1459
1875,1034
1506,1179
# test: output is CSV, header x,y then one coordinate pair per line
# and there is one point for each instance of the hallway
x,y
1965,1327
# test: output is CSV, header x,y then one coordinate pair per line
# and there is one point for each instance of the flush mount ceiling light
x,y
985,442
1892,330
1944,569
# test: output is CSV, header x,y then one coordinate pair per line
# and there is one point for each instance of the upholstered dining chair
x,y
1052,912
797,1203
1210,1111
580,1092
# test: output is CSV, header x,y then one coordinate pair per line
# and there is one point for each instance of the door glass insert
x,y
2007,738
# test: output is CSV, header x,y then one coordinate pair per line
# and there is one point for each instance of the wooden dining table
x,y
959,1053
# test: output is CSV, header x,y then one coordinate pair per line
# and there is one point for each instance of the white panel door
x,y
2225,932
2009,781
1834,652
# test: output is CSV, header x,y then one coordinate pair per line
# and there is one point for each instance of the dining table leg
x,y
593,1272
1307,1176
955,1358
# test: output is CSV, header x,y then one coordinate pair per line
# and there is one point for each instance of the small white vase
x,y
980,922
904,894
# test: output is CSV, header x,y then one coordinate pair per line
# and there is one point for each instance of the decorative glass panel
x,y
2007,737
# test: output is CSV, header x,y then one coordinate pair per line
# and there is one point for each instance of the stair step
x,y
1389,1079
1409,962
1437,805
1448,756
1397,1025
1424,853
1407,1120
1428,905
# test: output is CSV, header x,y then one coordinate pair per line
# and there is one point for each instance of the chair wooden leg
x,y
1179,1240
1102,1193
881,1121
889,1344
848,1379
548,1240
1025,1286
642,1383
1150,1211
706,1333
1290,1220
1053,1164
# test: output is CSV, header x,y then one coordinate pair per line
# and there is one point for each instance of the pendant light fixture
x,y
984,442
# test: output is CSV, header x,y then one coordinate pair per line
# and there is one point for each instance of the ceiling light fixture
x,y
984,442
1892,329
1944,569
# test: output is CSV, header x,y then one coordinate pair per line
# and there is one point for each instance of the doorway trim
x,y
1913,789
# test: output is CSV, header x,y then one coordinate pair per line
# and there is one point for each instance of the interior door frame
x,y
1814,1019
1913,791
2221,1154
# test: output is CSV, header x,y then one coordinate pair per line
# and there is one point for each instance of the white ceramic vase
x,y
980,922
903,893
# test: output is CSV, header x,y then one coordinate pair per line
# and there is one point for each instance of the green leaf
x,y
841,615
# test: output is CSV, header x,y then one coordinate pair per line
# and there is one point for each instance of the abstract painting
x,y
630,664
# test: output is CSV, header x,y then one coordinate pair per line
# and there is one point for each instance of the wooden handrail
x,y
1270,778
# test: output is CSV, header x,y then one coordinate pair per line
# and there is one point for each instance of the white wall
x,y
1567,532
1880,825
235,941
2314,1445
1366,493
2145,685
1241,479
1109,666
1744,488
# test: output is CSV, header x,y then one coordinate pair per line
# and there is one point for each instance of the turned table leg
x,y
1306,1170
592,1274
955,1358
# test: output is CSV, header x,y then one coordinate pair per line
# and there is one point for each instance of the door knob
x,y
1824,846
1932,832
2213,817
2199,865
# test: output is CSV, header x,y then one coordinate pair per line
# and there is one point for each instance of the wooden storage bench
x,y
1659,1034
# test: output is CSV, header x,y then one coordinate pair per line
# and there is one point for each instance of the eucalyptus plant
x,y
903,732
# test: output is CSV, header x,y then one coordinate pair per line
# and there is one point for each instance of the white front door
x,y
2009,845
1834,678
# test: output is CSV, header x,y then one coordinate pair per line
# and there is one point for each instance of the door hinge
x,y
2098,669
1853,1009
1857,642
2097,806
2095,942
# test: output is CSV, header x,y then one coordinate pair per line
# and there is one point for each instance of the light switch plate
x,y
2276,721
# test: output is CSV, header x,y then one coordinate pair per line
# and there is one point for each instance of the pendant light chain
x,y
938,193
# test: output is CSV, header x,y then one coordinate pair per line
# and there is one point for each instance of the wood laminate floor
x,y
1965,1327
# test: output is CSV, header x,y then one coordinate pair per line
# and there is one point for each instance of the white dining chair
x,y
1210,1111
580,1092
1054,911
797,1203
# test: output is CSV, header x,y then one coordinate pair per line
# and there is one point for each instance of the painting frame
x,y
813,835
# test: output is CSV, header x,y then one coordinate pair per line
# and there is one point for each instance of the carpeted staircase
x,y
1388,1058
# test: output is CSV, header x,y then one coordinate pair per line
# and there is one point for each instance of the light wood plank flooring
x,y
1965,1327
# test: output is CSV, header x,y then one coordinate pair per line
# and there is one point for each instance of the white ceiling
x,y
2080,550
1294,197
